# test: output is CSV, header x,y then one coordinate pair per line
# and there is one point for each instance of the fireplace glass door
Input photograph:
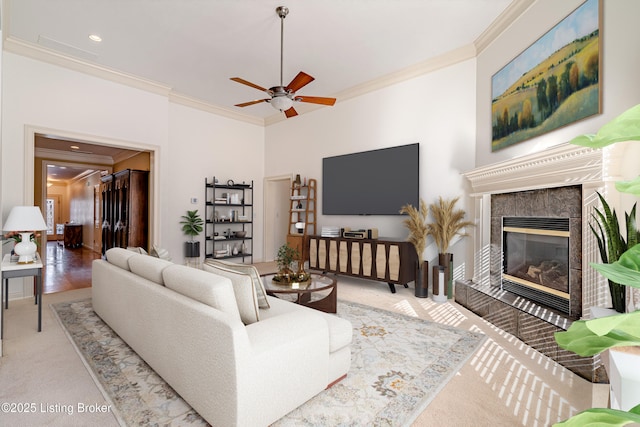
x,y
536,259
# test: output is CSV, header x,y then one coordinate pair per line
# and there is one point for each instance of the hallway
x,y
66,268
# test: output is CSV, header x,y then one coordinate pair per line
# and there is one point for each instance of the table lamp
x,y
23,218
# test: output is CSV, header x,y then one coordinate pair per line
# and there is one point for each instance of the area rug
x,y
399,363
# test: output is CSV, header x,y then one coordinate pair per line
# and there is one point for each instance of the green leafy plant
x,y
447,223
286,256
192,224
612,244
590,337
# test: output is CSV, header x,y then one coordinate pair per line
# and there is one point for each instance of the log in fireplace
x,y
536,260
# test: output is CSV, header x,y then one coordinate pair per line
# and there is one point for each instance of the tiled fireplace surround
x,y
561,182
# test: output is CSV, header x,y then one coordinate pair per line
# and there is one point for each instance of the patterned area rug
x,y
399,363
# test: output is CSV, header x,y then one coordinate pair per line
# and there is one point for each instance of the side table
x,y
11,269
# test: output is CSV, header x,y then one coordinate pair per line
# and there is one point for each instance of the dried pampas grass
x,y
447,223
417,225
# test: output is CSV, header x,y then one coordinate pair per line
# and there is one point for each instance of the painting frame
x,y
554,82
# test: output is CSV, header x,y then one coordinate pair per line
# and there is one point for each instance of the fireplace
x,y
536,260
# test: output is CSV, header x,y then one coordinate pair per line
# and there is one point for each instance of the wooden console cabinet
x,y
391,261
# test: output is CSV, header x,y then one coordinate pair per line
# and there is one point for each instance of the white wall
x,y
189,144
437,110
620,35
205,145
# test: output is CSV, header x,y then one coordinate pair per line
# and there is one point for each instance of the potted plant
x,y
612,244
417,225
286,256
448,222
192,226
590,337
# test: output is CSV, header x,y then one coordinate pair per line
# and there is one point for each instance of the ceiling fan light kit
x,y
282,97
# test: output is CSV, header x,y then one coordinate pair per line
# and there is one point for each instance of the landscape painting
x,y
554,82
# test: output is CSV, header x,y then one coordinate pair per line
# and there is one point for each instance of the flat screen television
x,y
377,182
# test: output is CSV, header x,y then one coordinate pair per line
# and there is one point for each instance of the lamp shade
x,y
25,218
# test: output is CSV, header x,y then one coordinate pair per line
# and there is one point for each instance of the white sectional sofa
x,y
235,363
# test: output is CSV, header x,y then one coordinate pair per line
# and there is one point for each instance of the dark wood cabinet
x,y
125,209
391,261
72,235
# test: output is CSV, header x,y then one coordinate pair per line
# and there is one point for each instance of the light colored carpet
x,y
506,383
399,363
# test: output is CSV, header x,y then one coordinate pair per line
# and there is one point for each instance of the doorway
x,y
277,193
49,147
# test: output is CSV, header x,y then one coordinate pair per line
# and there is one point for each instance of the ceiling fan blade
x,y
244,82
316,100
291,112
299,81
246,104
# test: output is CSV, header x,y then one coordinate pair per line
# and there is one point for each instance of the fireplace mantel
x,y
565,164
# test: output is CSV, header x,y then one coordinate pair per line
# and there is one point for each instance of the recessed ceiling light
x,y
96,38
74,147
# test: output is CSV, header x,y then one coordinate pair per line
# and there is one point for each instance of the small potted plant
x,y
192,226
285,258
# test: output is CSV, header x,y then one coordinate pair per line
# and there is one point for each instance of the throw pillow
x,y
161,253
251,271
137,249
244,291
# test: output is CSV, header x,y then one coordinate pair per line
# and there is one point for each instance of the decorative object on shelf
x,y
25,220
192,226
417,225
590,337
448,222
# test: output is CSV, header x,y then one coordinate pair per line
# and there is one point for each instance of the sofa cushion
x,y
148,267
243,289
119,257
251,271
215,291
340,330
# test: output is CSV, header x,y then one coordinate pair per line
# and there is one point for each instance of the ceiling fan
x,y
282,97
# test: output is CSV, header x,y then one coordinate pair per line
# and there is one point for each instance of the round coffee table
x,y
304,291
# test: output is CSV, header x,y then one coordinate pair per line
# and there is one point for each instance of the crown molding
x,y
445,60
35,52
46,153
188,101
502,22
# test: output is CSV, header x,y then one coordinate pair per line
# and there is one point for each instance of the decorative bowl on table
x,y
240,234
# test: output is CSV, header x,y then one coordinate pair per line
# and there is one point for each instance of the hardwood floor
x,y
67,268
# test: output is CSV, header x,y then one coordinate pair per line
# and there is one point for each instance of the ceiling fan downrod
x,y
282,12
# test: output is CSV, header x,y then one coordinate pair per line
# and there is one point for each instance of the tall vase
x,y
422,279
446,260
